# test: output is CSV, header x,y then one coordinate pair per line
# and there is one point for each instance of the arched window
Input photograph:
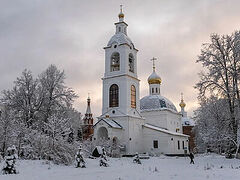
x,y
115,62
113,96
156,90
131,63
152,90
133,96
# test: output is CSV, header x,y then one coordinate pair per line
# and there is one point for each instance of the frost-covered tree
x,y
221,62
57,97
43,121
212,125
6,130
24,99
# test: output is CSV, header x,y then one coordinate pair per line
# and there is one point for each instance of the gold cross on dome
x,y
153,60
182,96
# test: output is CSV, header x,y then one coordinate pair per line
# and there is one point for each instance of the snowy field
x,y
211,167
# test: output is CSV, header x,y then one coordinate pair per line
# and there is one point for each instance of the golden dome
x,y
121,15
154,78
182,104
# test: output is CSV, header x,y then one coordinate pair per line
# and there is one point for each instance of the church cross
x,y
121,8
182,96
153,60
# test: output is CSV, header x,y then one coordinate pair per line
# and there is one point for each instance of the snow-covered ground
x,y
213,167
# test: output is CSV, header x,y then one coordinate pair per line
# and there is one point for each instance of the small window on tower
x,y
115,62
133,96
156,90
155,144
131,63
113,95
119,29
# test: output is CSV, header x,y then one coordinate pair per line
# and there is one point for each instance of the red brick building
x,y
187,124
88,122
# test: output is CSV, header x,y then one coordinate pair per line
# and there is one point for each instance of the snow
x,y
110,122
164,130
213,167
186,121
120,38
156,102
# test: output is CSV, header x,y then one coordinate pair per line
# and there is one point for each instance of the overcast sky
x,y
72,33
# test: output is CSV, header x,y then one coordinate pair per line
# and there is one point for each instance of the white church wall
x,y
174,144
174,122
132,133
136,134
167,144
124,83
157,118
149,136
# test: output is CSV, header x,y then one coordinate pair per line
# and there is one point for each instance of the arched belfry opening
x,y
131,63
115,62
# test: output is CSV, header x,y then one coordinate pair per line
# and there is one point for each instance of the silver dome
x,y
120,38
156,102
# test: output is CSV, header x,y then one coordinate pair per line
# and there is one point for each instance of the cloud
x,y
71,34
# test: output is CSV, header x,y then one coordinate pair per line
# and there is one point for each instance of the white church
x,y
148,125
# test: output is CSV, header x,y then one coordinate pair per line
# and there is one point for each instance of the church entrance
x,y
102,133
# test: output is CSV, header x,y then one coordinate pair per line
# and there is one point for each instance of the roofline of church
x,y
156,128
120,23
103,119
120,76
121,45
100,117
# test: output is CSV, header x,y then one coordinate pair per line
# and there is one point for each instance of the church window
x,y
119,29
178,144
152,90
115,46
131,63
156,90
115,62
113,95
162,103
155,144
183,144
133,96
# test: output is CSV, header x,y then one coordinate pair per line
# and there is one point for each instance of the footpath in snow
x,y
213,167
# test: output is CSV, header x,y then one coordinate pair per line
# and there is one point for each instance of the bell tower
x,y
120,81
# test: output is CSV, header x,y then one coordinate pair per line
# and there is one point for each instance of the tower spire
x,y
88,111
121,15
182,104
121,8
87,121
